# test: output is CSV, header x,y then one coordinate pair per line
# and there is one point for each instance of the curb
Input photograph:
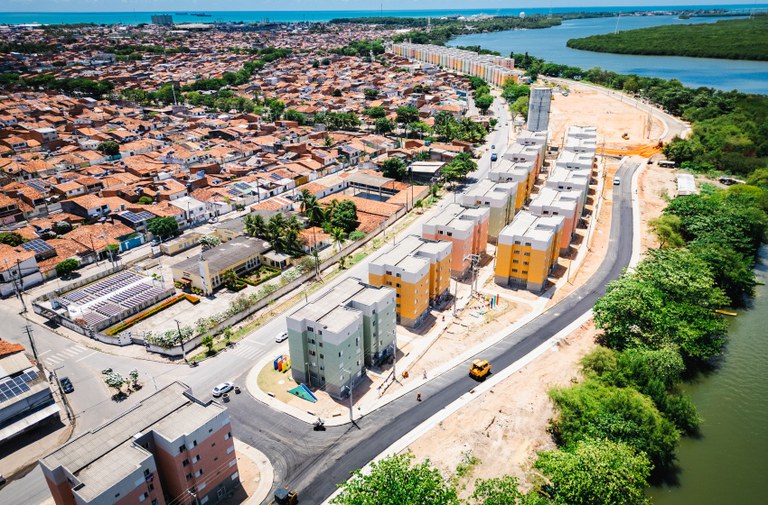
x,y
266,471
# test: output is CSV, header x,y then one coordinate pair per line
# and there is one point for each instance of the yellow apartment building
x,y
409,276
527,251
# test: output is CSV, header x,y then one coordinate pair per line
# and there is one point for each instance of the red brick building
x,y
170,448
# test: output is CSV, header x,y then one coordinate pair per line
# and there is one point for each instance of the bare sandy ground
x,y
614,118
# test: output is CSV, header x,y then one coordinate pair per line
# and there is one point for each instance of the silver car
x,y
224,387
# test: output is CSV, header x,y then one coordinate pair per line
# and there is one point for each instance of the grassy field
x,y
737,39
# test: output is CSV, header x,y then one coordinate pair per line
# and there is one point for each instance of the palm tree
x,y
275,230
339,237
255,226
306,198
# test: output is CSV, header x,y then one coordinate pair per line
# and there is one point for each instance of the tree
x,y
483,102
229,278
133,375
66,267
208,241
423,155
383,126
593,410
458,168
520,106
339,237
375,112
394,168
670,299
407,115
109,148
207,341
344,216
396,481
497,491
113,379
162,226
667,229
371,93
656,373
11,238
596,472
255,225
145,200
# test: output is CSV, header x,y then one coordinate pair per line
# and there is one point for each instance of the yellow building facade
x,y
527,251
419,270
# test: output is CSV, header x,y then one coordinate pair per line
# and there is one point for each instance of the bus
x,y
667,164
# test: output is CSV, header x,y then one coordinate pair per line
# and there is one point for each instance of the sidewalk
x,y
375,398
256,474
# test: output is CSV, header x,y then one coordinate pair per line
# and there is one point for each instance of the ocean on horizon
x,y
134,18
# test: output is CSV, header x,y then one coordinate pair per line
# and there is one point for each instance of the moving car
x,y
281,337
616,181
66,385
494,157
224,387
480,369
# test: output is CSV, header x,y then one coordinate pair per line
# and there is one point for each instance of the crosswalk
x,y
248,350
67,355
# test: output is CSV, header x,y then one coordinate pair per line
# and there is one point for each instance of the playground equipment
x,y
282,363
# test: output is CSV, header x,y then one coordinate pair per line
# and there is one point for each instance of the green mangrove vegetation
x,y
734,39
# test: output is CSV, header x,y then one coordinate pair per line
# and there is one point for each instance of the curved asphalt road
x,y
315,462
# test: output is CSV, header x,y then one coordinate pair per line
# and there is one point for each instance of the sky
x,y
304,5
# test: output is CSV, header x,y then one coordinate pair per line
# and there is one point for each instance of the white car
x,y
224,387
281,337
616,181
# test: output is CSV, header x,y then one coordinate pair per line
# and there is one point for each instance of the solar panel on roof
x,y
37,245
14,386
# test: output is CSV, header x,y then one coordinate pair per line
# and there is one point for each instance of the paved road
x,y
352,448
314,462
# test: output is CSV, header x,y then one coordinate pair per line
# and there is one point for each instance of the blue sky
x,y
299,5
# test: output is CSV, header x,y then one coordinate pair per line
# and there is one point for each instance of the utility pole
x,y
394,358
18,284
181,341
28,329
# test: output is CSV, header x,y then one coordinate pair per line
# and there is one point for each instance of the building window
x,y
322,356
188,476
517,252
527,254
311,329
525,262
320,344
182,448
228,435
196,458
151,487
185,462
515,261
514,270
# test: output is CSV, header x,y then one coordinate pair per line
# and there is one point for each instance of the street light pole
x,y
181,340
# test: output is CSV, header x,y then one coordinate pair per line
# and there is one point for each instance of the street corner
x,y
256,475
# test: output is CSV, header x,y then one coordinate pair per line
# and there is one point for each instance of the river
x,y
549,43
728,464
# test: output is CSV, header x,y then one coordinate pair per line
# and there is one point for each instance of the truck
x,y
480,369
285,497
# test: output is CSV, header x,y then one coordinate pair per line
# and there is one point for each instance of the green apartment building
x,y
333,339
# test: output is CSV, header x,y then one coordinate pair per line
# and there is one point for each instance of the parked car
x,y
224,387
66,385
616,181
282,337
